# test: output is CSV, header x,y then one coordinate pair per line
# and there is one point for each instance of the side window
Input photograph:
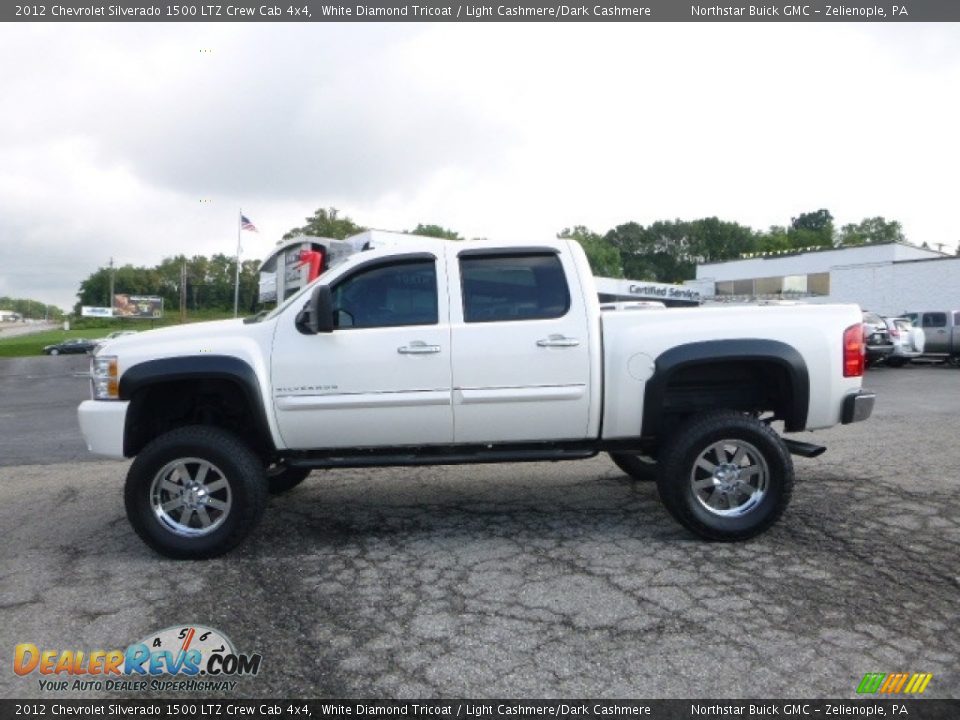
x,y
934,319
956,319
387,296
513,287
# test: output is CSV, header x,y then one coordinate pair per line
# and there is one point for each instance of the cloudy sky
x,y
112,135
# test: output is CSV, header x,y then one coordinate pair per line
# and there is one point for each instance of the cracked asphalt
x,y
539,580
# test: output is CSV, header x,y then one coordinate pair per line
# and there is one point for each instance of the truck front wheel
x,y
726,476
195,492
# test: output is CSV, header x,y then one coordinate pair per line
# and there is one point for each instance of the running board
x,y
433,457
804,449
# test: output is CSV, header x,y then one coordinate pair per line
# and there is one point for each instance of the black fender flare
x,y
197,367
748,349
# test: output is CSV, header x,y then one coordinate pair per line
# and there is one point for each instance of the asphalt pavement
x,y
527,580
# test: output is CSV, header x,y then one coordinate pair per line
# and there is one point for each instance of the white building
x,y
887,278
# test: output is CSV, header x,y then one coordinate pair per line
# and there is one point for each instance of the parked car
x,y
77,346
941,330
908,341
877,337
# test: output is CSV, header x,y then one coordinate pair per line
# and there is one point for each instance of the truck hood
x,y
174,334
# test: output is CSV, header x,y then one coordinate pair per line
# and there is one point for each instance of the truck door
x,y
935,332
521,355
382,377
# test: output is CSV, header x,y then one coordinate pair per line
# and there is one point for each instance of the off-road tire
x,y
679,472
237,464
281,478
636,467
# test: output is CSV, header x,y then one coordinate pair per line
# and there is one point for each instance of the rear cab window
x,y
505,287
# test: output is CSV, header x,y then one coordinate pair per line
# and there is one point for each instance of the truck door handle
x,y
558,341
418,347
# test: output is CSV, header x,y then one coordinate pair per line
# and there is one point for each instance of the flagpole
x,y
236,283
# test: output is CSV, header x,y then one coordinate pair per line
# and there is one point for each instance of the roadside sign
x,y
138,306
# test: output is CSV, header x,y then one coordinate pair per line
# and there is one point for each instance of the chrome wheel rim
x,y
190,497
730,478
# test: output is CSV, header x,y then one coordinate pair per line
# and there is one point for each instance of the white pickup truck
x,y
443,352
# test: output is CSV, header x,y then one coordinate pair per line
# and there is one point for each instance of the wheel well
x,y
162,406
749,385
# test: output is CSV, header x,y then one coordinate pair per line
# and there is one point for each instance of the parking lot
x,y
536,580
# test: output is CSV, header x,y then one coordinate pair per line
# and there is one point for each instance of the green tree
x,y
774,239
712,240
662,252
436,231
871,230
811,229
603,257
326,222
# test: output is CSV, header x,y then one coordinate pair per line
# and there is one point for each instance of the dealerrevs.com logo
x,y
179,658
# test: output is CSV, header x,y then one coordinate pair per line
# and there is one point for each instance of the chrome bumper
x,y
857,407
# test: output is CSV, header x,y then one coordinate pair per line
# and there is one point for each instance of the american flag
x,y
245,224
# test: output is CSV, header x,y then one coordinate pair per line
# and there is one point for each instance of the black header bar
x,y
907,708
493,11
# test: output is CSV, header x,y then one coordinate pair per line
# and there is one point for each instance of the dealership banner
x,y
511,11
138,306
911,708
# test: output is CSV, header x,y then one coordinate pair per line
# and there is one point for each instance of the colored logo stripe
x,y
894,683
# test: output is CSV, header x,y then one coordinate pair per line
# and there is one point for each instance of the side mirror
x,y
317,315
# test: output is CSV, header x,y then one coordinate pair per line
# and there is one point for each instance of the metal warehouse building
x,y
887,278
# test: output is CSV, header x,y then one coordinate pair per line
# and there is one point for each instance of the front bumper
x,y
857,407
102,423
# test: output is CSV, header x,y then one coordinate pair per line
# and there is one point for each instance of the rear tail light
x,y
894,332
853,351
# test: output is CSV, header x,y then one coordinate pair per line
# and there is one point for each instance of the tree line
x,y
670,250
667,250
209,283
210,280
30,309
664,251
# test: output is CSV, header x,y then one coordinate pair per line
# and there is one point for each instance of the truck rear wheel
x,y
635,466
726,476
195,492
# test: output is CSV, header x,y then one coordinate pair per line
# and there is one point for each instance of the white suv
x,y
908,341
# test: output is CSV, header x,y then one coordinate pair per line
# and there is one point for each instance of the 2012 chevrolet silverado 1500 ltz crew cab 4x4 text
x,y
439,352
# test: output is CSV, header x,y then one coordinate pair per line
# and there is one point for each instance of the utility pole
x,y
110,299
236,282
183,291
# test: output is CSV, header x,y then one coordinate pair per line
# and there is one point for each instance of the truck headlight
x,y
103,377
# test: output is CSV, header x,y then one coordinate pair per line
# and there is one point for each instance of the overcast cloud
x,y
112,135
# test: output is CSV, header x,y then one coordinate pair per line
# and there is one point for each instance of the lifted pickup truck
x,y
465,352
